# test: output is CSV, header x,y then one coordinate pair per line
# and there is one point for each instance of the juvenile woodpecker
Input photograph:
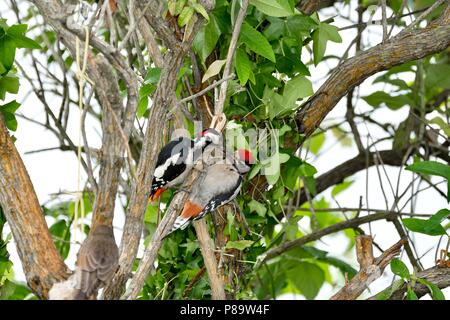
x,y
219,185
176,159
97,261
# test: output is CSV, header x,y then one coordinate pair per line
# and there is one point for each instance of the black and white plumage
x,y
219,185
176,159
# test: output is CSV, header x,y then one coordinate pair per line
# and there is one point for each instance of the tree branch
x,y
437,275
404,47
370,268
41,261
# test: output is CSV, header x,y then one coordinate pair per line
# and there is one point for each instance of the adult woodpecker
x,y
97,260
219,185
176,159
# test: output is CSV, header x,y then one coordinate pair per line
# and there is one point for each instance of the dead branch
x,y
370,268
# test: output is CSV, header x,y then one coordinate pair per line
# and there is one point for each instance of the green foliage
x,y
433,168
400,269
431,226
11,38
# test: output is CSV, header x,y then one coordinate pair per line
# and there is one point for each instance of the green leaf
x,y
153,75
243,66
435,292
341,187
2,69
206,39
256,42
316,142
423,226
307,170
410,294
239,245
297,88
257,207
61,231
185,15
8,84
297,24
392,102
179,5
10,121
400,269
142,106
444,126
308,278
200,9
10,107
7,51
432,168
17,29
321,36
274,8
213,69
25,42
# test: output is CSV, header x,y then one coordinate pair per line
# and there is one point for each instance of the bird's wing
x,y
96,263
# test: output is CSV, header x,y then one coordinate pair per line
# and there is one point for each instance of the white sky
x,y
56,171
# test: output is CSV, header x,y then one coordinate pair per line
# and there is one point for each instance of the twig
x,y
208,88
384,19
424,15
230,56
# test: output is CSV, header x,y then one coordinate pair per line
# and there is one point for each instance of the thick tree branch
x,y
352,223
406,46
439,276
41,261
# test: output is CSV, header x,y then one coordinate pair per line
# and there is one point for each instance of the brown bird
x,y
97,261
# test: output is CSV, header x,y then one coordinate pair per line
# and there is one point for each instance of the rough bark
x,y
370,268
405,47
440,276
41,261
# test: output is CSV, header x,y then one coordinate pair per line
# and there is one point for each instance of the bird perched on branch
x,y
219,185
97,261
176,159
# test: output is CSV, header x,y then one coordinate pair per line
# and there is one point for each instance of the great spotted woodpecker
x,y
176,159
219,185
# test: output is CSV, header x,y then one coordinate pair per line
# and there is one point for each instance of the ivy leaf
x,y
273,8
400,269
324,33
213,69
297,88
256,42
258,207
